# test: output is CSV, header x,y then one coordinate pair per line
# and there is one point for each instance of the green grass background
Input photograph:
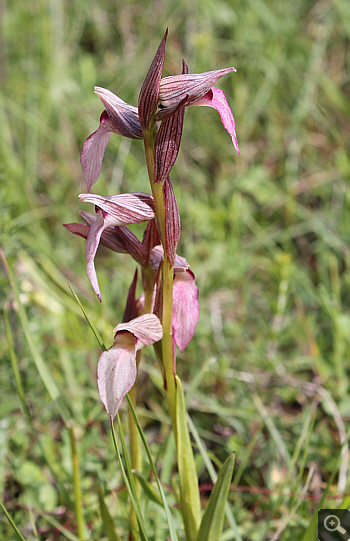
x,y
266,233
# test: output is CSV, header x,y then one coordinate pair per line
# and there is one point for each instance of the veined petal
x,y
148,98
216,98
91,155
113,211
175,88
124,116
167,143
130,311
120,118
185,308
151,238
116,372
122,209
147,329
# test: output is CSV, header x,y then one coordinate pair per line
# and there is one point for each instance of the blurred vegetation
x,y
266,233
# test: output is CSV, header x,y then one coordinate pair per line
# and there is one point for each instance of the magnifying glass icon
x,y
332,524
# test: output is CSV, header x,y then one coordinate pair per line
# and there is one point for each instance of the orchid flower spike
x,y
117,369
170,95
117,210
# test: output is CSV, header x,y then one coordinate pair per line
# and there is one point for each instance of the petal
x,y
217,99
147,329
130,311
174,89
151,237
148,98
125,117
119,239
92,242
78,229
123,209
185,308
93,149
167,143
116,372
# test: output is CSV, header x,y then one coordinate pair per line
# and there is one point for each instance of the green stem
x,y
78,501
168,271
190,498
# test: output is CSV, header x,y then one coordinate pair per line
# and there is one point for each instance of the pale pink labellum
x,y
113,211
117,370
216,98
120,118
185,308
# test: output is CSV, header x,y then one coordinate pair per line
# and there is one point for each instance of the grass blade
x,y
213,518
213,476
171,525
13,525
134,502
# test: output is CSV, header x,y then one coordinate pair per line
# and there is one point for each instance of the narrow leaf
x,y
148,489
13,525
190,501
213,518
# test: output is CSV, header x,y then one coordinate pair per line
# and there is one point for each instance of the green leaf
x,y
107,519
148,489
213,518
190,501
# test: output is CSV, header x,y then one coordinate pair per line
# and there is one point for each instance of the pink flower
x,y
185,298
117,370
118,210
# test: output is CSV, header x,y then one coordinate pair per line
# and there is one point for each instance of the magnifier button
x,y
332,524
